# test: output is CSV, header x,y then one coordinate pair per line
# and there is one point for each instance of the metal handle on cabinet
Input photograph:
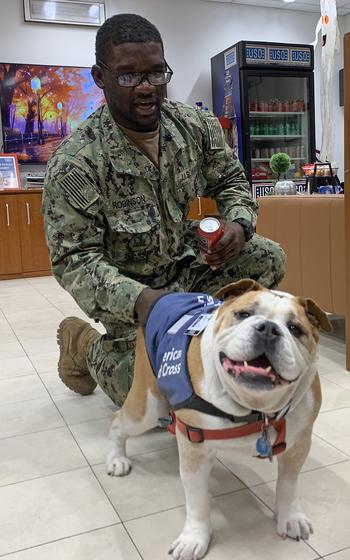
x,y
28,213
199,206
7,215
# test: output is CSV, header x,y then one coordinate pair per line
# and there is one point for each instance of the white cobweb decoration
x,y
328,23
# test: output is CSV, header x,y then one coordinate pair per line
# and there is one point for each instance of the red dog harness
x,y
198,435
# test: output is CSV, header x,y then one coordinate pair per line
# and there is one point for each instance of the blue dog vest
x,y
172,321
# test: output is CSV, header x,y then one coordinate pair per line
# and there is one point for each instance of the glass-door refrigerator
x,y
264,94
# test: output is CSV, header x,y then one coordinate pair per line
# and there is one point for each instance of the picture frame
x,y
9,172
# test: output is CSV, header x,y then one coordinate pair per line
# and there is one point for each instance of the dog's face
x,y
265,347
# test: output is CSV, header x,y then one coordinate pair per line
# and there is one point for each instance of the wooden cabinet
x,y
10,250
201,208
23,251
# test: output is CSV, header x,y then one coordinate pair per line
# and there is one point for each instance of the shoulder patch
x,y
79,189
215,133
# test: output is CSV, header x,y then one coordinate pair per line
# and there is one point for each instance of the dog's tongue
x,y
257,366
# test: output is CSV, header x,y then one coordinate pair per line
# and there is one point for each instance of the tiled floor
x,y
57,502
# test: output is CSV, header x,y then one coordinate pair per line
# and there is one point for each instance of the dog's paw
x,y
296,526
118,466
190,547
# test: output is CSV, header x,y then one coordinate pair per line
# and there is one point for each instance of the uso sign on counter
x,y
267,189
278,55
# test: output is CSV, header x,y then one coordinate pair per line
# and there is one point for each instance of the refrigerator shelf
x,y
277,136
274,113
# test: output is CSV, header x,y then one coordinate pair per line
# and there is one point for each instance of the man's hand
x,y
144,302
228,246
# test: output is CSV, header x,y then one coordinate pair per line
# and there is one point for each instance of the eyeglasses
x,y
133,79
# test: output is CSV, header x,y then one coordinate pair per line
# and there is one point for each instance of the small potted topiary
x,y
279,164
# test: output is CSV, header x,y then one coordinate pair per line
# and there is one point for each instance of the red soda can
x,y
209,232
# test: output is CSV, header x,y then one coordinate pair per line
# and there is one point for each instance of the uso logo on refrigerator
x,y
300,56
278,55
255,54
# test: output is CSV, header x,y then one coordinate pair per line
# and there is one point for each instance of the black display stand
x,y
314,182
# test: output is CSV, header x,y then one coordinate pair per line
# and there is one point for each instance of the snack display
x,y
320,170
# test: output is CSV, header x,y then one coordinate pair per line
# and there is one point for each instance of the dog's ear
x,y
236,289
316,315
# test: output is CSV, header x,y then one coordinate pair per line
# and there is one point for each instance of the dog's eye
x,y
242,314
295,330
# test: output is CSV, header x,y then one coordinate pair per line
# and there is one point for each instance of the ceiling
x,y
303,5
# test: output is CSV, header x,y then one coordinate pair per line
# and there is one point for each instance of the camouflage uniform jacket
x,y
115,223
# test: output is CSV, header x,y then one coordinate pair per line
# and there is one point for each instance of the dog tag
x,y
263,444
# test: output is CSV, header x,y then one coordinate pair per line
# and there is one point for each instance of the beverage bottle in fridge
x,y
287,128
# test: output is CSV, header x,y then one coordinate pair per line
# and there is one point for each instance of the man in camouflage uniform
x,y
116,197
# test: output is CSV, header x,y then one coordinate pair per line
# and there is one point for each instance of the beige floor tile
x,y
76,409
16,367
43,281
12,289
6,332
111,543
92,437
243,530
25,302
254,471
45,362
35,325
55,294
40,454
53,507
335,356
24,388
341,378
54,385
37,345
327,366
333,427
333,396
17,284
332,343
28,417
11,349
343,555
154,484
71,309
325,495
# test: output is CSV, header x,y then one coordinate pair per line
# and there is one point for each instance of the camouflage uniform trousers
x,y
110,359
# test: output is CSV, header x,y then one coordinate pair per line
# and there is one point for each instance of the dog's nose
x,y
268,330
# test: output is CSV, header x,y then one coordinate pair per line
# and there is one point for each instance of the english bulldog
x,y
254,370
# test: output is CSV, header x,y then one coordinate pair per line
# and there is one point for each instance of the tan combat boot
x,y
74,337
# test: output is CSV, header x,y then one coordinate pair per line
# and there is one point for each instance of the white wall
x,y
346,24
193,31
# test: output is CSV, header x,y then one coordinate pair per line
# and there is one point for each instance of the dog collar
x,y
199,435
